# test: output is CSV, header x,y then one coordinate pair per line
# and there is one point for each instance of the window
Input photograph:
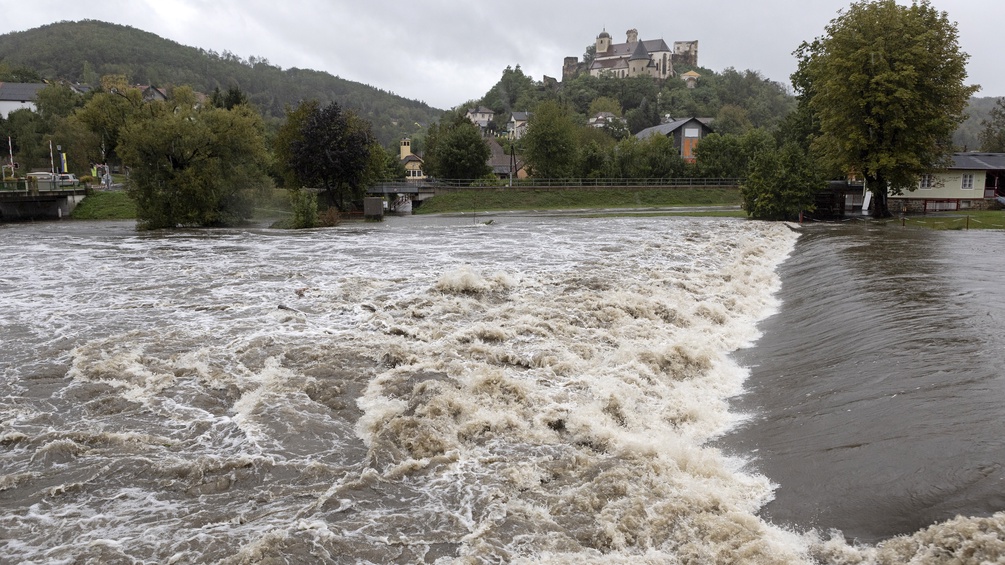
x,y
968,181
692,132
926,181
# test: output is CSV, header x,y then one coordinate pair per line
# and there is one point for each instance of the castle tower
x,y
603,42
633,35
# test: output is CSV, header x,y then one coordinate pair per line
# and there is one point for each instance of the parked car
x,y
67,179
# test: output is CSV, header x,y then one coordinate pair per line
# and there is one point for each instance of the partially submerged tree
x,y
332,152
193,165
886,87
781,183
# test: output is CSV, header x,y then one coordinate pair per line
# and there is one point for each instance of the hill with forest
x,y
82,52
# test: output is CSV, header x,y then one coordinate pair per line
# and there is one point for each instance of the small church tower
x,y
406,147
603,42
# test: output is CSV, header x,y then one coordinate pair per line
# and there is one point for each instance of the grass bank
x,y
105,205
975,220
501,199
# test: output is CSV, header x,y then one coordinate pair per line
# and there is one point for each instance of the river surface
x,y
533,389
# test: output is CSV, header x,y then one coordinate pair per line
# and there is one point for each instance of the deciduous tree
x,y
782,182
455,149
550,143
333,153
193,165
886,84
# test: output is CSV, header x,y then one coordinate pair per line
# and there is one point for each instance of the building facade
x,y
634,57
411,162
973,181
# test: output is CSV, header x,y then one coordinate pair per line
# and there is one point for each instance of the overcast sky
x,y
446,52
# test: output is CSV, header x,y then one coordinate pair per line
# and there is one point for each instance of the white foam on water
x,y
530,391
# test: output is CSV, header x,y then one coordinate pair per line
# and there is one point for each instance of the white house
x,y
481,117
18,95
973,181
517,125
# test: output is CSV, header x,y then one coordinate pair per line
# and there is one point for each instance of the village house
x,y
481,117
411,162
517,125
634,57
504,165
972,181
604,119
685,132
18,95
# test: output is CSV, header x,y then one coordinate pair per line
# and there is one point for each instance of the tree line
x,y
869,101
201,161
83,52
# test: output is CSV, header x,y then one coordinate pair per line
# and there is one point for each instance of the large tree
x,y
193,165
886,87
333,153
456,150
550,143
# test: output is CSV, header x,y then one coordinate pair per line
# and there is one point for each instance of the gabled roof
x,y
978,161
480,110
670,127
410,158
20,91
521,116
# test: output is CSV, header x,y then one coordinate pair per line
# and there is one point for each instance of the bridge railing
x,y
680,182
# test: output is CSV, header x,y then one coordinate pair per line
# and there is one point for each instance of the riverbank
x,y
502,199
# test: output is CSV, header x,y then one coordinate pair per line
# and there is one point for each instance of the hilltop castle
x,y
633,58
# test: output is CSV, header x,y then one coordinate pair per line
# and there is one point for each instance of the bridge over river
x,y
18,201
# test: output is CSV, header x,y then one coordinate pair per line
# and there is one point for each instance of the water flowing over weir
x,y
422,390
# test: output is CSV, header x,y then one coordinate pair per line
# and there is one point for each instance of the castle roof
x,y
640,53
626,50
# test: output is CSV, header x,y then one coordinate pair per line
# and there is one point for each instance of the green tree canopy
x,y
993,131
288,134
550,143
455,149
193,165
333,153
782,183
886,87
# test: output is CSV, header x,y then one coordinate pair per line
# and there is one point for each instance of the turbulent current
x,y
442,390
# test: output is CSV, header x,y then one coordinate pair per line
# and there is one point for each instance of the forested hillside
x,y
82,52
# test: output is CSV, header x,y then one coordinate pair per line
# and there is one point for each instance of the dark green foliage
x,y
782,183
9,73
455,149
227,100
290,132
885,87
304,204
82,51
550,143
333,153
993,134
193,165
730,155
